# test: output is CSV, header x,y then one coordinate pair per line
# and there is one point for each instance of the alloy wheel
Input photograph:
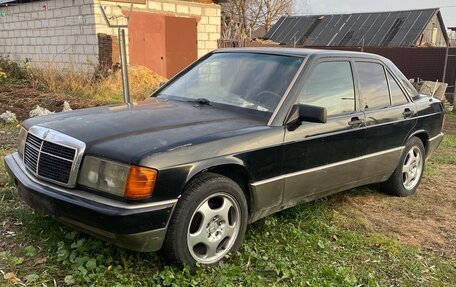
x,y
412,168
213,228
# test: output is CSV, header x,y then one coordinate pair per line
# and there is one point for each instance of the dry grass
x,y
142,83
108,90
51,78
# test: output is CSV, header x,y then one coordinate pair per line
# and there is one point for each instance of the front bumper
x,y
140,227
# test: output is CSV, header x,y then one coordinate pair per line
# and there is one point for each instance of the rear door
x,y
389,119
318,158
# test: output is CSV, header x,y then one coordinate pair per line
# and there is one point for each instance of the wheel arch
x,y
232,169
423,135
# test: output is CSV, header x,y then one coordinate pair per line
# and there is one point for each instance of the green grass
x,y
299,247
305,246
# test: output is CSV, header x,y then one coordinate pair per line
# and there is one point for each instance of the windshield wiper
x,y
201,101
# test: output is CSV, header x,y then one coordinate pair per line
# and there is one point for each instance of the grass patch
x,y
315,244
446,153
298,247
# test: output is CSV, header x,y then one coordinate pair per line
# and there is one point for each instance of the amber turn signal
x,y
140,183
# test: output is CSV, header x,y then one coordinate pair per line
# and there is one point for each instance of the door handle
x,y
408,113
355,121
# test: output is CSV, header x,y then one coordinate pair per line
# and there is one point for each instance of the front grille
x,y
49,160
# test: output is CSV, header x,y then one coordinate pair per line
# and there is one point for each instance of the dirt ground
x,y
8,139
22,100
427,219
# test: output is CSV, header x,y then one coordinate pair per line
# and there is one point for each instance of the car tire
x,y
208,222
407,176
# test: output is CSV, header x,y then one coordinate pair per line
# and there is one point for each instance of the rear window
x,y
397,95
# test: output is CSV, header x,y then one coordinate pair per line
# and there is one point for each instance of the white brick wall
x,y
54,36
67,32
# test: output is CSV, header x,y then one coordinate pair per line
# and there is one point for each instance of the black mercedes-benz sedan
x,y
238,135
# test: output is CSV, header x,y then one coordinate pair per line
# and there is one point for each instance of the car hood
x,y
129,132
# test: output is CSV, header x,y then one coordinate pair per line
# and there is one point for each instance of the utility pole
x,y
123,54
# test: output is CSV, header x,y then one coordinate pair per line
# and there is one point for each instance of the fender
x,y
202,166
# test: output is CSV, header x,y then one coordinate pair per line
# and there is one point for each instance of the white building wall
x,y
66,34
63,35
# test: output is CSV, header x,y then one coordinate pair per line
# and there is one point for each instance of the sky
x,y
353,6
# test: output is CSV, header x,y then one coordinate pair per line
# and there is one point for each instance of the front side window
x,y
247,80
330,85
374,88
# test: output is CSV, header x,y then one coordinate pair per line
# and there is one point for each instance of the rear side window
x,y
374,87
397,95
330,85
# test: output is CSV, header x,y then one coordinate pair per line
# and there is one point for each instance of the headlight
x,y
116,178
21,141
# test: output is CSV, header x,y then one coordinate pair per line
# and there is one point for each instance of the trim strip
x,y
324,166
436,137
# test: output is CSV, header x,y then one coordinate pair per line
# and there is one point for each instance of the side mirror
x,y
161,84
307,113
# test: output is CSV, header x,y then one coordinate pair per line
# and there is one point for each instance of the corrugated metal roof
x,y
385,29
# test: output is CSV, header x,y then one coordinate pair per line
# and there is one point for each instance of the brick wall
x,y
108,51
63,34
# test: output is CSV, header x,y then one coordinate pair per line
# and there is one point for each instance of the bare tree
x,y
239,17
272,10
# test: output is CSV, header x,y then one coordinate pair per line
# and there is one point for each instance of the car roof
x,y
300,52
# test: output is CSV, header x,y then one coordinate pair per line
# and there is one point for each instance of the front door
x,y
320,159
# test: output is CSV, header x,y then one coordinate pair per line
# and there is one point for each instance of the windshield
x,y
247,80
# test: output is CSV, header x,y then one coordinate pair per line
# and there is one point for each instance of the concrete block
x,y
169,7
201,28
62,40
214,36
154,5
182,9
211,28
92,39
194,10
87,10
79,49
66,12
203,36
49,14
204,20
211,12
211,45
87,49
214,20
57,12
